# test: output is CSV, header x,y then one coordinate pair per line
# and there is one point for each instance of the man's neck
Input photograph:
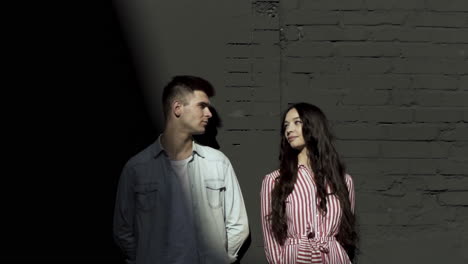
x,y
177,145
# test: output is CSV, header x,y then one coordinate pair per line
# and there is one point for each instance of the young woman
x,y
308,204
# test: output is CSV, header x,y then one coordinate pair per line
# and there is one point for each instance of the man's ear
x,y
177,108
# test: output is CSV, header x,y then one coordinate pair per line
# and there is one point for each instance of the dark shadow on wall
x,y
211,131
86,118
244,249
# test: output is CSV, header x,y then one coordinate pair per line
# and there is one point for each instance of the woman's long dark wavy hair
x,y
327,167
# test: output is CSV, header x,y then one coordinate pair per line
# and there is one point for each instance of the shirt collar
x,y
158,148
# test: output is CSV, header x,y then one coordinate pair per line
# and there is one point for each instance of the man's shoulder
x,y
142,157
211,154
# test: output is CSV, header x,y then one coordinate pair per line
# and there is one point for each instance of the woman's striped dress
x,y
311,235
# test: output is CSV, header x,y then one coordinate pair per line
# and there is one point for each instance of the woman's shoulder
x,y
348,180
271,177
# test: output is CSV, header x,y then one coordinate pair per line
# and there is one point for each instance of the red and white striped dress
x,y
303,219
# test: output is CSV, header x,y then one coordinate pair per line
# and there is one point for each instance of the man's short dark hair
x,y
182,85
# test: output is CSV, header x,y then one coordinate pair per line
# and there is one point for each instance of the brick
x,y
238,109
385,115
370,98
264,21
432,35
459,133
263,50
403,166
266,80
375,202
385,81
449,5
291,33
443,183
305,16
357,148
342,65
313,65
321,99
241,79
395,4
237,51
436,115
454,198
428,216
265,36
403,98
414,149
266,7
397,33
423,166
360,167
373,18
237,8
266,65
308,49
434,82
449,99
432,66
412,132
380,183
236,93
376,217
459,151
266,109
359,131
453,167
464,83
410,50
329,81
366,49
250,122
448,35
342,114
437,19
237,65
297,80
266,93
239,29
369,65
333,33
332,5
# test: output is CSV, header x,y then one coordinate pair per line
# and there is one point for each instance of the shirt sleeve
x,y
273,249
350,185
123,216
237,226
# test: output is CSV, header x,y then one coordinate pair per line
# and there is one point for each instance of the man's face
x,y
195,113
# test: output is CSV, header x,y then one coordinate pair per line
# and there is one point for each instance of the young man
x,y
178,201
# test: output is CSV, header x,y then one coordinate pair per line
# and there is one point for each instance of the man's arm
x,y
123,216
237,226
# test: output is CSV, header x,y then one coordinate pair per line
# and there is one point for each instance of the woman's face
x,y
293,130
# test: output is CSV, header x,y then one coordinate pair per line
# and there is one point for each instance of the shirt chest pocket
x,y
146,196
215,193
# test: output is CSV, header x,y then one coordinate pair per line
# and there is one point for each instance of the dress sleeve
x,y
350,185
273,249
